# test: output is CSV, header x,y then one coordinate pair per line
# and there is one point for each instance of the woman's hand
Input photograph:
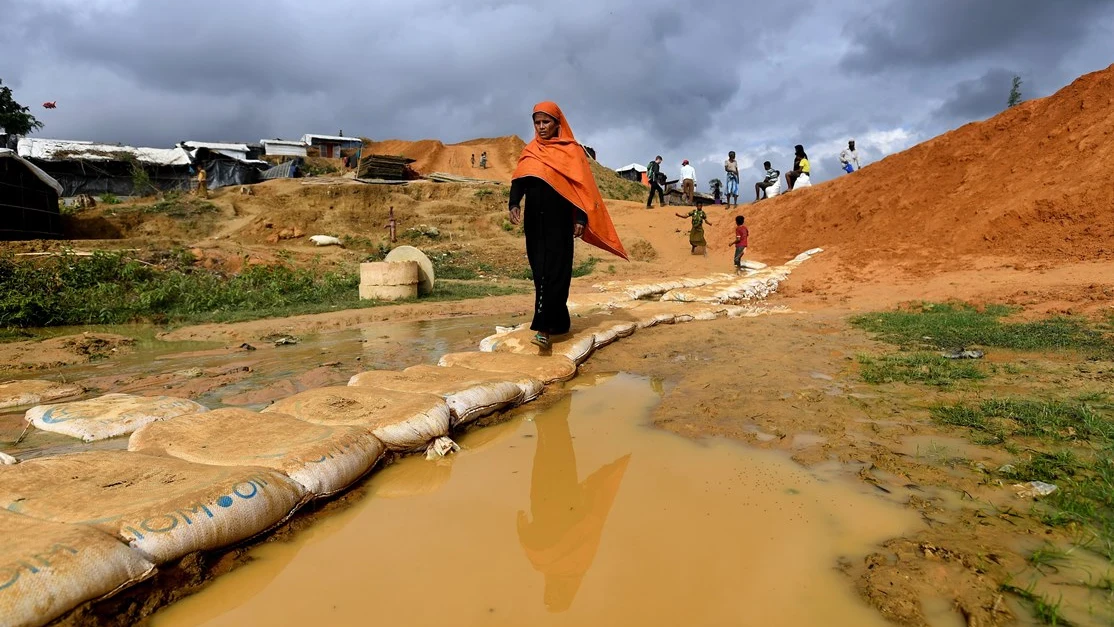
x,y
516,215
577,230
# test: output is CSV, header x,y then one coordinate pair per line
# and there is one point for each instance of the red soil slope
x,y
433,156
1033,182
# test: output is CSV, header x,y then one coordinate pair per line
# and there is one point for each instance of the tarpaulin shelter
x,y
82,167
632,172
223,170
28,200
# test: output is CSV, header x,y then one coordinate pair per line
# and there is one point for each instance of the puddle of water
x,y
581,514
274,372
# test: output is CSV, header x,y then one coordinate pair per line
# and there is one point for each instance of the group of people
x,y
770,185
563,203
483,159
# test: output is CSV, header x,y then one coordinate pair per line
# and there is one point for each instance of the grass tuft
x,y
924,368
951,326
109,288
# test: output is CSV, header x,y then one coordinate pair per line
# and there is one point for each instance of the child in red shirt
x,y
740,243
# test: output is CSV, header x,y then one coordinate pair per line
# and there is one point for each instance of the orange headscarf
x,y
561,162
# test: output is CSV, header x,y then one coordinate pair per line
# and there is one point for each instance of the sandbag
x,y
322,459
48,568
403,421
35,391
547,369
162,506
589,302
608,331
7,460
108,416
576,345
652,313
489,342
469,394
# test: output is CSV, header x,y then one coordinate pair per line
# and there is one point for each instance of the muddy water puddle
x,y
578,514
218,375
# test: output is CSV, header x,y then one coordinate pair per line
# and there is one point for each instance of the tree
x,y
1015,92
714,183
14,118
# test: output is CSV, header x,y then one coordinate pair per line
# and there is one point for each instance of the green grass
x,y
109,288
613,186
1048,557
1047,612
957,325
584,268
1083,474
1047,419
176,205
923,368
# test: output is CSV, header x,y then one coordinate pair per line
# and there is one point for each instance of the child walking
x,y
696,235
740,243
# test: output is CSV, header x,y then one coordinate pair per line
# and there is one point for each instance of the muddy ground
x,y
787,382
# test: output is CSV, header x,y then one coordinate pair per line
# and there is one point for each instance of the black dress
x,y
548,224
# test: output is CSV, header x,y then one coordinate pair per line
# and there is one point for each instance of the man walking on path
x,y
653,169
849,158
732,168
688,181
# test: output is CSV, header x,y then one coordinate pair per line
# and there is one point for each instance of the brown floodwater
x,y
200,370
578,514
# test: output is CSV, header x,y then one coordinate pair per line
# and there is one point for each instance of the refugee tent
x,y
285,170
632,172
28,200
82,167
223,170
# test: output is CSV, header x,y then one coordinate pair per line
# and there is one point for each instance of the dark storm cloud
x,y
901,35
979,97
453,70
636,77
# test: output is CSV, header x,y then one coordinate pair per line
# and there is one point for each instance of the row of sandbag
x,y
83,525
756,282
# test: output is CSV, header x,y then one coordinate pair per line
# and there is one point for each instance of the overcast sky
x,y
635,77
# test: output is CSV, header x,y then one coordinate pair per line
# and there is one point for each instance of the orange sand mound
x,y
433,156
1033,181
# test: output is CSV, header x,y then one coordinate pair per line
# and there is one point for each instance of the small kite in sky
x,y
50,105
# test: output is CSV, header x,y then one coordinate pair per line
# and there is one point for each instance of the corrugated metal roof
x,y
218,146
7,153
307,139
631,166
283,142
63,150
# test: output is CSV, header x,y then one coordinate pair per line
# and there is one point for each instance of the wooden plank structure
x,y
386,167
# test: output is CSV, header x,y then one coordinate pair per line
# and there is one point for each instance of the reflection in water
x,y
562,532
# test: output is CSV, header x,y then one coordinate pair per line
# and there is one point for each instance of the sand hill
x,y
434,156
1033,181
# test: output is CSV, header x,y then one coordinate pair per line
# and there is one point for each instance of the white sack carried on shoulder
x,y
469,394
547,369
48,568
404,421
35,391
162,506
108,416
322,459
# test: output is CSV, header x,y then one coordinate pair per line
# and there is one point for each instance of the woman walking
x,y
562,203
